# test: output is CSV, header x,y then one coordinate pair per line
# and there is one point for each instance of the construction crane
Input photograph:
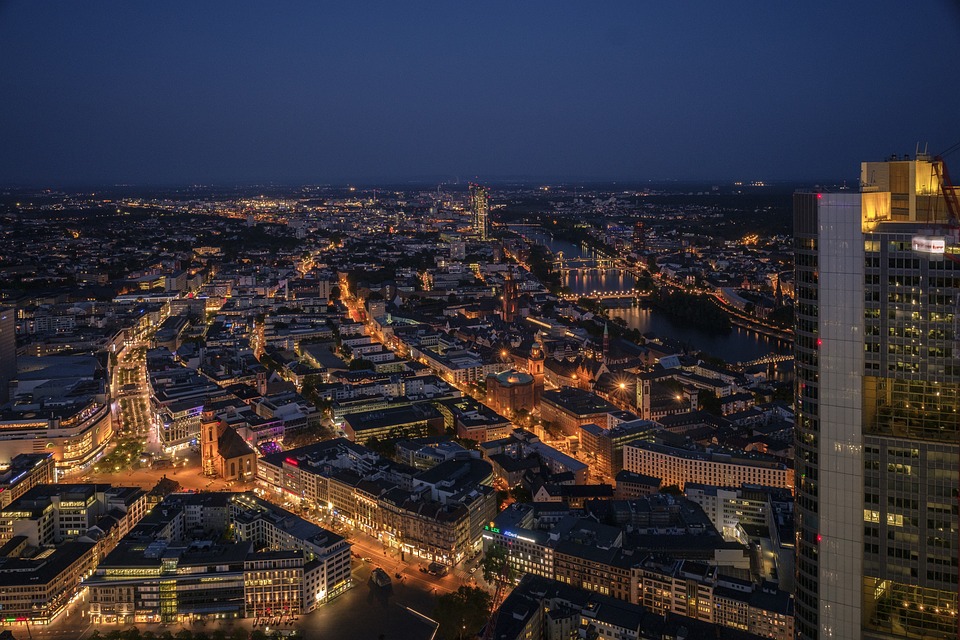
x,y
950,191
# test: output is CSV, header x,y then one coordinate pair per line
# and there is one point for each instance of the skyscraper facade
x,y
8,351
639,237
480,207
878,380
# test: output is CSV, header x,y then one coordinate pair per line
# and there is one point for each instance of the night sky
x,y
320,92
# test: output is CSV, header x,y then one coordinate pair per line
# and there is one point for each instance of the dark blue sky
x,y
237,92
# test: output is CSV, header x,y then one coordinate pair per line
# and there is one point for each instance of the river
x,y
739,345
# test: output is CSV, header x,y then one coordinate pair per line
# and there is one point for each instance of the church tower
x,y
509,308
535,367
209,442
606,343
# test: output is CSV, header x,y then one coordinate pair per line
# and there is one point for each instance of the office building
x,y
877,397
51,514
8,351
179,565
714,465
53,536
480,208
36,584
26,471
639,237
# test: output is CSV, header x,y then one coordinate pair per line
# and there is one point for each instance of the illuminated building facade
x,y
480,207
877,284
62,407
26,471
157,574
440,519
724,468
639,237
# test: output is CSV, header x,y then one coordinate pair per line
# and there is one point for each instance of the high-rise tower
x,y
639,237
878,381
480,207
8,351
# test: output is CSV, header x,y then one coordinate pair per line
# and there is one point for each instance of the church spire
x,y
606,342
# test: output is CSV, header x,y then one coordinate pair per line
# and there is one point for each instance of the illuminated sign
x,y
929,244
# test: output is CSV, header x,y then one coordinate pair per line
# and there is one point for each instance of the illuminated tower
x,y
877,396
606,343
509,305
535,367
209,443
639,237
481,209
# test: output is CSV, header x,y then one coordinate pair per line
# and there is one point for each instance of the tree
x,y
462,613
359,364
496,563
521,494
709,402
382,447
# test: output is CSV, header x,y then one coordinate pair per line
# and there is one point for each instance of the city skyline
x,y
127,94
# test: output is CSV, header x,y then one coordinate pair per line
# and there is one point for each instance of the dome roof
x,y
508,378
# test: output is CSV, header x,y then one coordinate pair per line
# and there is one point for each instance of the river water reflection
x,y
739,345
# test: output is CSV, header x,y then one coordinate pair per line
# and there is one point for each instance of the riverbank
x,y
741,341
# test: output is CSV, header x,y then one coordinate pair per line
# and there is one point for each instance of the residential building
x,y
713,466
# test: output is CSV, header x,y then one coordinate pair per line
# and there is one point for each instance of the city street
x,y
397,612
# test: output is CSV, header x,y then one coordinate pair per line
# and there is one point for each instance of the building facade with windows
x,y
878,384
175,566
678,466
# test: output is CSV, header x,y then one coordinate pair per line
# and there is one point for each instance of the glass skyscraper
x,y
878,379
480,205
